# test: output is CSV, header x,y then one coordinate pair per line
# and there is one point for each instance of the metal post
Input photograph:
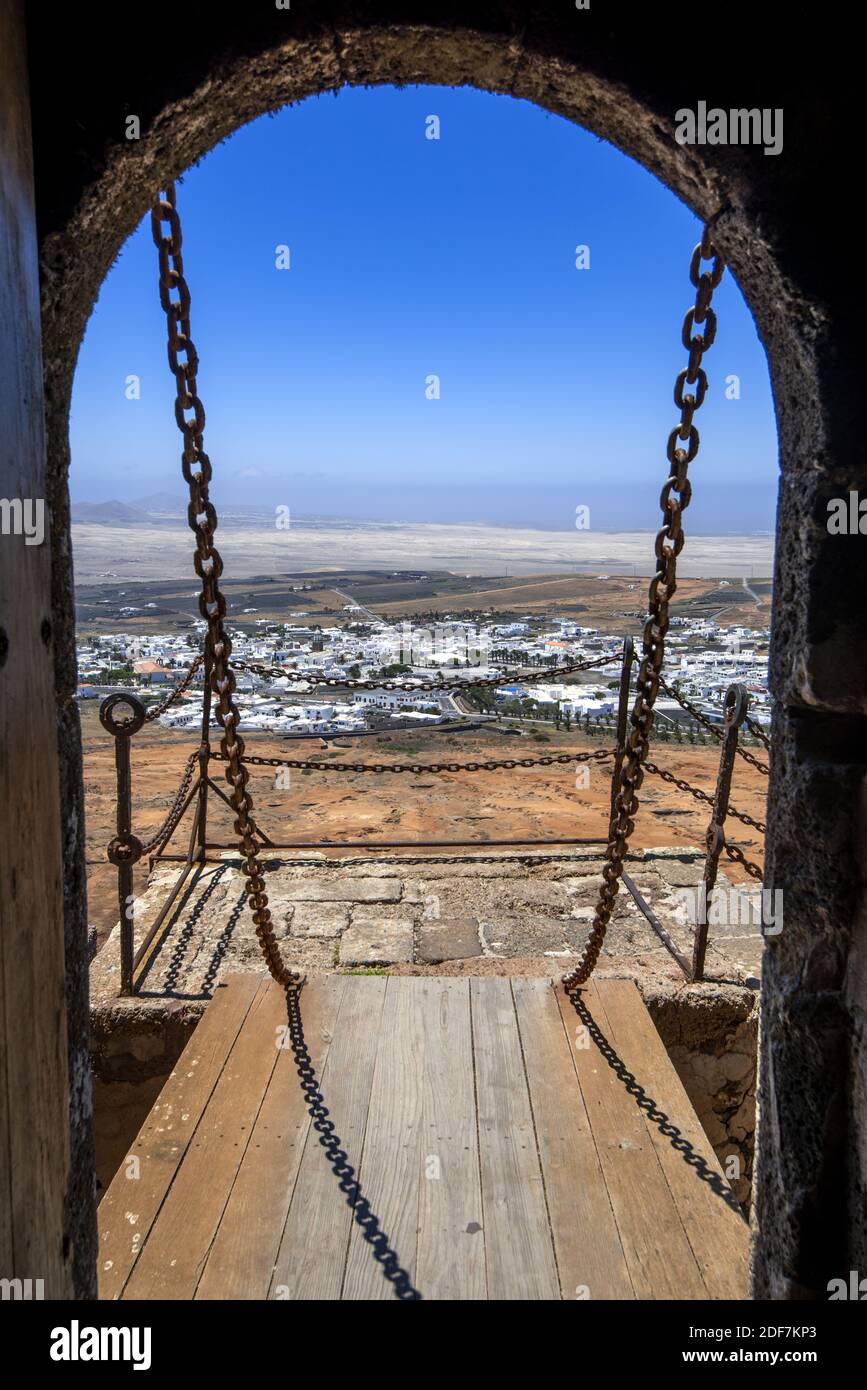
x,y
124,850
622,718
736,703
204,758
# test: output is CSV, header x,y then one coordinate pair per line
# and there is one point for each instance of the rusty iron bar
x,y
204,756
124,850
403,844
736,704
622,720
657,926
158,845
191,860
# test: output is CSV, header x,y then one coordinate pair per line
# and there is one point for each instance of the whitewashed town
x,y
703,660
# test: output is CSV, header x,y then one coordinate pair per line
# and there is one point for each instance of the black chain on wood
x,y
196,466
682,448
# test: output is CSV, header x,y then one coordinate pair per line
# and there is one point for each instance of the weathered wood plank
x,y
35,1169
242,1256
590,1259
519,1253
659,1257
130,1206
717,1232
390,1168
312,1257
451,1240
175,1251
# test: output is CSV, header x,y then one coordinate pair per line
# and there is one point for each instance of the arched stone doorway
x,y
192,85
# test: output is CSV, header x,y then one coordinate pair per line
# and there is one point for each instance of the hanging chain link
x,y
682,448
202,518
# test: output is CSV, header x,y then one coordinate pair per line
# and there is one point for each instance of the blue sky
x,y
412,257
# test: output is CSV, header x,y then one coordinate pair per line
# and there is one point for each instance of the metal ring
x,y
116,727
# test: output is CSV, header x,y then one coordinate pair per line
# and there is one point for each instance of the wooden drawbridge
x,y
435,1137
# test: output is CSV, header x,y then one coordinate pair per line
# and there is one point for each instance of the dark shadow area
x,y
185,937
347,1181
652,1111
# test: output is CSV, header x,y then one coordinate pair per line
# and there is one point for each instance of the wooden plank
x,y
312,1256
590,1259
390,1168
659,1257
175,1251
242,1257
130,1206
519,1253
716,1230
35,1228
451,1240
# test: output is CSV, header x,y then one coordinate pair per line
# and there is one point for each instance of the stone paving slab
x,y
378,941
455,939
327,915
341,890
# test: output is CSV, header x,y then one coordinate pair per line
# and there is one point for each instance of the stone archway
x,y
192,89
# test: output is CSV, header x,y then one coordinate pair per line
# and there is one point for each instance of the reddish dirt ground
x,y
482,806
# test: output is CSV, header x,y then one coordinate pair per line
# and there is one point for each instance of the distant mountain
x,y
162,502
109,514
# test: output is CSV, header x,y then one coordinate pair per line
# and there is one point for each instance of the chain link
x,y
349,683
699,795
172,820
757,731
156,710
717,732
597,755
674,498
202,518
738,856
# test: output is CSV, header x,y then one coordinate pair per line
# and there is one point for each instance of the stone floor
x,y
366,913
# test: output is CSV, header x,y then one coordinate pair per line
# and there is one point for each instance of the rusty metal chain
x,y
717,732
699,795
548,760
348,683
173,817
202,518
156,710
738,856
682,448
757,731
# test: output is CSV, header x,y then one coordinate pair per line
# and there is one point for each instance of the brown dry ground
x,y
481,805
